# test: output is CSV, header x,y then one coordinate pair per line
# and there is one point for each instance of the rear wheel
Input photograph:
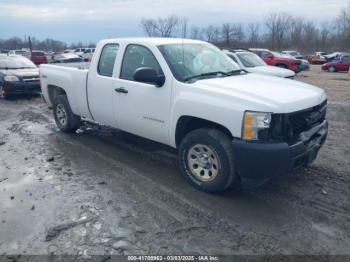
x,y
331,69
206,159
64,117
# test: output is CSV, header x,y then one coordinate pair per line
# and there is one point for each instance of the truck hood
x,y
264,93
271,70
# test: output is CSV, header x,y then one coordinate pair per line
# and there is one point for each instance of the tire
x,y
206,160
331,69
64,117
3,94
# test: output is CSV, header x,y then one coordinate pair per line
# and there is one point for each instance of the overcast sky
x,y
91,20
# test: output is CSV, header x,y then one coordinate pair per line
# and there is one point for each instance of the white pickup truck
x,y
228,125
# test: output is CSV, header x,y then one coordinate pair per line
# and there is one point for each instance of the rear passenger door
x,y
100,85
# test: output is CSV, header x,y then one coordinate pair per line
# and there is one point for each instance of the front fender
x,y
214,109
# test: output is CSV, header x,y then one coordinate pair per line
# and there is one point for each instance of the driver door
x,y
142,108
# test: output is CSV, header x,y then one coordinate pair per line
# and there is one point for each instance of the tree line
x,y
278,31
48,44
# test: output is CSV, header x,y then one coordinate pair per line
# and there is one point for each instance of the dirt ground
x,y
102,191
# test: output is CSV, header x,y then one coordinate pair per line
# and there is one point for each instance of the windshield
x,y
11,62
250,59
187,61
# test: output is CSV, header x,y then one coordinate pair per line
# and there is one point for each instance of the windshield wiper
x,y
217,73
237,72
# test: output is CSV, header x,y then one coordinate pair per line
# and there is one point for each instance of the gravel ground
x,y
103,191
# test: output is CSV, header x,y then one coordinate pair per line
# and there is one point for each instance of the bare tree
x,y
163,27
297,26
325,35
149,27
253,34
227,32
343,27
195,32
232,34
311,36
277,25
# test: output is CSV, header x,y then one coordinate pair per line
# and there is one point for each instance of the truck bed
x,y
71,77
80,65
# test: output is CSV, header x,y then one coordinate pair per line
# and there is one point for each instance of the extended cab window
x,y
137,56
107,59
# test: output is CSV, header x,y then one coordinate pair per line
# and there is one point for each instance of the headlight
x,y
11,78
253,123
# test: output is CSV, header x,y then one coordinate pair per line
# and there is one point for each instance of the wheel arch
x,y
187,123
54,91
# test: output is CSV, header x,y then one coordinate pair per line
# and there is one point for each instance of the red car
x,y
39,57
341,64
277,59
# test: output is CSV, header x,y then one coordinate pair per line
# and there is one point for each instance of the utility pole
x,y
30,45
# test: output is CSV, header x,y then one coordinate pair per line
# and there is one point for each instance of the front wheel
x,y
206,159
3,93
65,119
331,69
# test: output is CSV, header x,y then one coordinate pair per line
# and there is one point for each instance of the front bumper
x,y
257,163
19,87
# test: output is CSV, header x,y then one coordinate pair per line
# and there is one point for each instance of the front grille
x,y
30,79
299,122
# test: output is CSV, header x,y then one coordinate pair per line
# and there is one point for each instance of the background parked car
x,y
251,62
24,53
18,75
39,57
335,56
341,64
293,53
66,58
88,53
66,51
303,64
79,51
317,59
277,59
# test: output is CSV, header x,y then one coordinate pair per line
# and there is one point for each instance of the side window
x,y
346,59
137,56
107,59
264,54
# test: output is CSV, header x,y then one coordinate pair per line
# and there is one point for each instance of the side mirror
x,y
149,75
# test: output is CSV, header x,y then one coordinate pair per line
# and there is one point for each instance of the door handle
x,y
121,90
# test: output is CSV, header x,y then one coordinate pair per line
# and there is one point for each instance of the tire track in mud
x,y
185,213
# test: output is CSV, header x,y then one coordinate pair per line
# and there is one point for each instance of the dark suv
x,y
18,75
